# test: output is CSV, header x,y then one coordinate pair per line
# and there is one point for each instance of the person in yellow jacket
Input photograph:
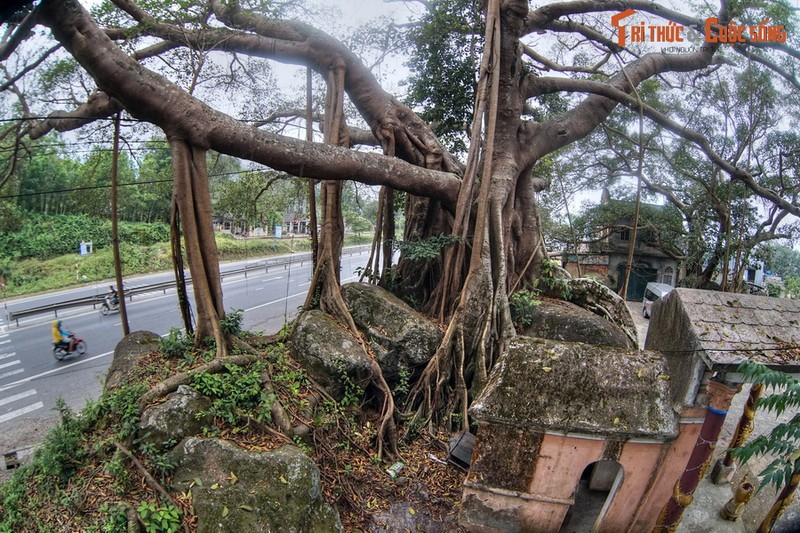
x,y
61,337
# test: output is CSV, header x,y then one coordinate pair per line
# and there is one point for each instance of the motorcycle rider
x,y
62,337
111,298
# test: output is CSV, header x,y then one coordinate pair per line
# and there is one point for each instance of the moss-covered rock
x,y
600,300
235,490
329,353
575,387
400,337
183,414
130,348
564,321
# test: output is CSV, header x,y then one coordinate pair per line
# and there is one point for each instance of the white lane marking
x,y
47,373
12,373
272,302
7,355
5,341
20,412
10,363
14,398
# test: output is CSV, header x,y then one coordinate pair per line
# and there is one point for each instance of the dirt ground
x,y
18,442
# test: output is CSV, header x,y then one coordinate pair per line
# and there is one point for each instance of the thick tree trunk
x,y
480,325
193,199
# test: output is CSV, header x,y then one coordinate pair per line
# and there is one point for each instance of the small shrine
x,y
560,420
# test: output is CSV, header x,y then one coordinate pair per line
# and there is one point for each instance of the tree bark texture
x,y
193,199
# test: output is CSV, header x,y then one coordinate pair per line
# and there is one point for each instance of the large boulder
x,y
235,490
400,337
565,321
330,355
127,351
183,414
602,301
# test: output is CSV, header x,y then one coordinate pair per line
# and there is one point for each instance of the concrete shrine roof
x,y
579,388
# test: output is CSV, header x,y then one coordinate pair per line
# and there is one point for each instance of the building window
x,y
667,276
625,234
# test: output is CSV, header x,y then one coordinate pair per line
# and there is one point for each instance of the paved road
x,y
31,379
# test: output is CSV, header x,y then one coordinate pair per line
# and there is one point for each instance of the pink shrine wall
x,y
649,471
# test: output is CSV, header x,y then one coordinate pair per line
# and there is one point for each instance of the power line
x,y
86,188
108,185
66,117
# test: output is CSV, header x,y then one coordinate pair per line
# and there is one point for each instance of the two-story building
x,y
605,254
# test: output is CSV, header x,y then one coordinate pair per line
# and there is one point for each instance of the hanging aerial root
x,y
332,303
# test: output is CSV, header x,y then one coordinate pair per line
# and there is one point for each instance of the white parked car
x,y
652,292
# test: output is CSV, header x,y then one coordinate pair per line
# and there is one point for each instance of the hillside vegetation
x,y
41,252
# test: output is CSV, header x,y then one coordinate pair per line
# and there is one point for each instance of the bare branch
x,y
29,68
21,33
551,65
611,92
99,106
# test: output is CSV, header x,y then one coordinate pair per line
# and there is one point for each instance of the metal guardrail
x,y
98,299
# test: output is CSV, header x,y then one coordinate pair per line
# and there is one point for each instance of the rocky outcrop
x,y
600,300
235,490
183,414
565,321
329,354
400,337
130,348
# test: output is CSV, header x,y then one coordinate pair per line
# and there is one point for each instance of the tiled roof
x,y
730,327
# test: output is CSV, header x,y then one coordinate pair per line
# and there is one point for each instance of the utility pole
x,y
123,312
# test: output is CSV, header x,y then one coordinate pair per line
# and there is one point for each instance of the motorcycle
x,y
78,346
109,306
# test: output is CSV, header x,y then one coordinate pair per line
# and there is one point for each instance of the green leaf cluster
x,y
551,283
783,441
523,305
425,249
175,344
236,393
660,226
159,519
445,54
45,236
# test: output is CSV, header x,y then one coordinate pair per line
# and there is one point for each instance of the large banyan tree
x,y
484,197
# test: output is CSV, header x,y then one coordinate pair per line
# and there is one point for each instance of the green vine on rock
x,y
551,283
425,249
